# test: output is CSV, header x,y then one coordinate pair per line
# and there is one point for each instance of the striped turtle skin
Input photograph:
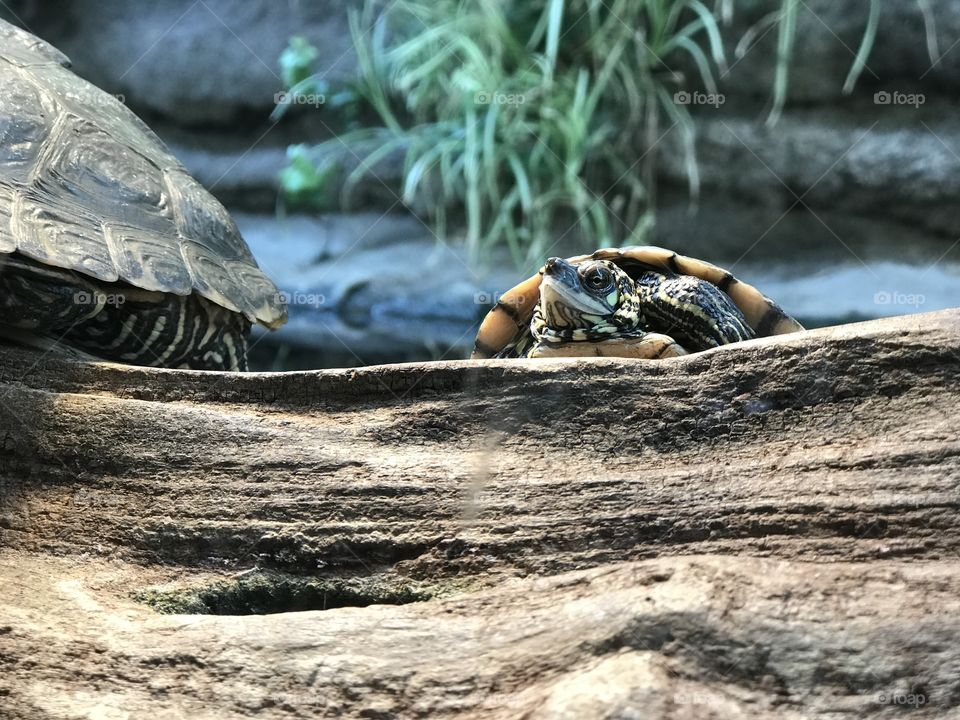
x,y
107,245
685,304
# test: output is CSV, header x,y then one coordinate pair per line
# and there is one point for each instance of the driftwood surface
x,y
764,530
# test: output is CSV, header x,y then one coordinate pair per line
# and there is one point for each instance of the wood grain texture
x,y
767,529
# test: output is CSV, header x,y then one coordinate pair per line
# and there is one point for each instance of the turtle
x,y
638,301
108,246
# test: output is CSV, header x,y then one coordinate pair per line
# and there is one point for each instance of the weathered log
x,y
764,529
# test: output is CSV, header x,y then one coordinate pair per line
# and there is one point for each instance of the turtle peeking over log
x,y
107,245
638,302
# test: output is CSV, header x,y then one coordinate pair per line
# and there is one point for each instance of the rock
x,y
237,44
828,37
763,530
202,63
681,637
897,163
370,287
238,175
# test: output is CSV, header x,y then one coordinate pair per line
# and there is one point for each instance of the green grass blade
x,y
786,35
703,65
491,170
713,32
754,32
522,182
681,118
866,45
554,22
471,171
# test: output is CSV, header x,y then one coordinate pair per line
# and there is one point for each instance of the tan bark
x,y
767,529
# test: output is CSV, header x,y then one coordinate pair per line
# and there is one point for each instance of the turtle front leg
x,y
648,346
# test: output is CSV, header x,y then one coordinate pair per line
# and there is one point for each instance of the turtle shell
x,y
85,185
509,320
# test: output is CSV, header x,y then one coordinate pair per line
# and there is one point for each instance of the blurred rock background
x,y
845,209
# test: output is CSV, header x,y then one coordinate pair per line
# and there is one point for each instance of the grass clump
x,y
518,122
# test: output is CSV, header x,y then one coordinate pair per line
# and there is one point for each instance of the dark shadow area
x,y
260,593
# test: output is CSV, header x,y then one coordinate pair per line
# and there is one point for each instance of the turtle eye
x,y
597,278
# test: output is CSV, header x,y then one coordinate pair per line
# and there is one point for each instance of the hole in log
x,y
267,593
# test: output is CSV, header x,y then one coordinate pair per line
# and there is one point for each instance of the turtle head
x,y
590,301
